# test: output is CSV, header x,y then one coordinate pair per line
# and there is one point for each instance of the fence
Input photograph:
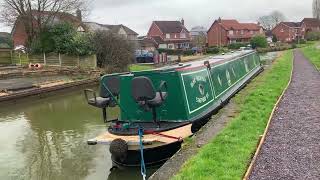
x,y
5,57
48,59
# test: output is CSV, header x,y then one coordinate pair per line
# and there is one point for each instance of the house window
x,y
168,36
281,30
242,32
183,35
175,36
231,32
251,32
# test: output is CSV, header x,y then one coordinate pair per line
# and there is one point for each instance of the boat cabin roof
x,y
213,60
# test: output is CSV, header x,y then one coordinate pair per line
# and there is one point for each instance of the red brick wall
x,y
19,35
285,33
217,35
155,31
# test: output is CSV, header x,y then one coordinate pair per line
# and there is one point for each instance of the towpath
x,y
292,146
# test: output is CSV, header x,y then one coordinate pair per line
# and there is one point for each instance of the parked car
x,y
144,56
197,50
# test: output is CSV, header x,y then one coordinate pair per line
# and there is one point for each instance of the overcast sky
x,y
139,14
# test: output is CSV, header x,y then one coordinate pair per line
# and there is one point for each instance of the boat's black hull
x,y
153,156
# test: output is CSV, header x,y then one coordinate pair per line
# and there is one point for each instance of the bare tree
x,y
36,14
316,9
114,53
277,17
270,21
266,22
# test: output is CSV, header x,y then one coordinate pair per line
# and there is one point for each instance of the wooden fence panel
x,y
52,59
36,59
5,58
88,61
67,60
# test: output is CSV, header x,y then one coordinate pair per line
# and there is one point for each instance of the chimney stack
x,y
182,21
219,20
79,14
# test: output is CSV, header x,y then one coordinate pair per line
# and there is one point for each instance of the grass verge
x,y
228,155
313,54
138,67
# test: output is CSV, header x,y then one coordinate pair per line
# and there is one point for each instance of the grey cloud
x,y
138,14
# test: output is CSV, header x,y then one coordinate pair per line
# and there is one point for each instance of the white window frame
x,y
167,36
231,32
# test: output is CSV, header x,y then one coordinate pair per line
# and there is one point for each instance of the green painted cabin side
x,y
193,90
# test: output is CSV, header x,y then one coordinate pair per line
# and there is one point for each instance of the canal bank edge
x,y
263,137
280,67
39,91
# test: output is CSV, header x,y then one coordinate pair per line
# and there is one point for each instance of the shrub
x,y
303,41
188,52
313,36
113,52
274,38
62,38
213,50
259,42
237,45
171,51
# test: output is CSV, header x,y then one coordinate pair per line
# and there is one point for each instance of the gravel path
x,y
292,146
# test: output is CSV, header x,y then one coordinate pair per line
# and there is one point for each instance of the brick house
x,y
170,34
19,35
288,31
223,32
310,25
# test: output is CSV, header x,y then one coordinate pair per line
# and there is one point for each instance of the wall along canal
x,y
46,139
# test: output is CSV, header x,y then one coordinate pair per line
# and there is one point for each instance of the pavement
x,y
292,146
26,82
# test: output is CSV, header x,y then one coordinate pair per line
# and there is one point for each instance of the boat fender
x,y
196,126
119,149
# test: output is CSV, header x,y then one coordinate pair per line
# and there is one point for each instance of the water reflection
x,y
46,139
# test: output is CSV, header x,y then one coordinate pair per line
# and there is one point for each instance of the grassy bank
x,y
313,54
140,67
228,155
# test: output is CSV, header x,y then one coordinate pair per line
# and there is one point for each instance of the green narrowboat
x,y
168,104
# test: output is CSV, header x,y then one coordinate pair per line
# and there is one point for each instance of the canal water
x,y
45,138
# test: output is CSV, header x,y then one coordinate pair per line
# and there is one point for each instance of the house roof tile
x,y
93,26
293,24
311,22
170,26
232,24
